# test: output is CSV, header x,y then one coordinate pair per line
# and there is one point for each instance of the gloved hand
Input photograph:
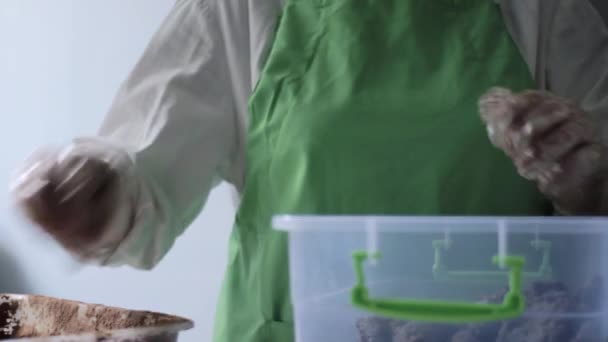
x,y
553,143
71,193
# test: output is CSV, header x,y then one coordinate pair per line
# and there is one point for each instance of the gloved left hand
x,y
551,142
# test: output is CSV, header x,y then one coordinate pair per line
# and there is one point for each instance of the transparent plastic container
x,y
445,279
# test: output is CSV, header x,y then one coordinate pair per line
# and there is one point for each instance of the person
x,y
331,107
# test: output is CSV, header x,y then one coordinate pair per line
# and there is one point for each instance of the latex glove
x,y
553,143
71,193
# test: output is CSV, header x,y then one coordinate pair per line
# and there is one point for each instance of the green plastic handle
x,y
441,311
440,271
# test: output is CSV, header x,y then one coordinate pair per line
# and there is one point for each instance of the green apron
x,y
367,107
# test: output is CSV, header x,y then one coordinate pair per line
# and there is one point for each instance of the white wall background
x,y
61,62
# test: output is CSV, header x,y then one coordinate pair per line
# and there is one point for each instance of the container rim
x,y
472,224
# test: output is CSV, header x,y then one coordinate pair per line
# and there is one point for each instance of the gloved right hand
x,y
70,193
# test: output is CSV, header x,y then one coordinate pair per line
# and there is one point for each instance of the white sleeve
x,y
173,121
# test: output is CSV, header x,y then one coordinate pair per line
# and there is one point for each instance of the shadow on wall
x,y
602,7
12,277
